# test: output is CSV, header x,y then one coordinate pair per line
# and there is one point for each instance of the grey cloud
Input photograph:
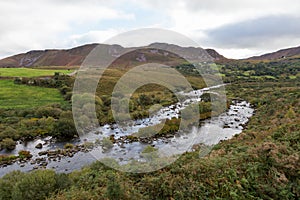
x,y
229,6
256,33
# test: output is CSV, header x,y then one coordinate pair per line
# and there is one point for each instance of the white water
x,y
210,132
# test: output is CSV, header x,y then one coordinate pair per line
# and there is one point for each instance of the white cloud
x,y
39,24
239,53
92,37
196,18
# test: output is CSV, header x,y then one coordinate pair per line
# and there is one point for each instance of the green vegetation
x,y
36,185
34,106
149,153
106,143
31,107
8,144
171,126
7,159
24,154
260,163
29,72
261,71
23,96
64,127
263,162
68,146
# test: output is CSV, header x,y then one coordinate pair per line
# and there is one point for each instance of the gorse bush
x,y
262,162
8,144
32,186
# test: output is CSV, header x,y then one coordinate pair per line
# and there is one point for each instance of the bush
x,y
32,186
114,189
150,153
8,144
4,159
88,145
64,127
149,131
48,112
68,146
9,133
7,184
107,143
24,154
37,185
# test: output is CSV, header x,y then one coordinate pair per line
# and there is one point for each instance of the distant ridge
x,y
283,53
53,57
213,53
75,56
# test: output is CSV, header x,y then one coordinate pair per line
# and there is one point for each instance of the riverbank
x,y
80,153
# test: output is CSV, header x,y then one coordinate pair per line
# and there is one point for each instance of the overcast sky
x,y
235,28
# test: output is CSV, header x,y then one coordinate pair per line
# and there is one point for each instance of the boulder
x,y
39,146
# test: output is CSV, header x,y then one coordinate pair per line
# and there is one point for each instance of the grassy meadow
x,y
262,162
29,72
23,96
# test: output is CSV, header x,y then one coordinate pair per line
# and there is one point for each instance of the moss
x,y
68,146
24,154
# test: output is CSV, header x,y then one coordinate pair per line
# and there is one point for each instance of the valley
x,y
246,147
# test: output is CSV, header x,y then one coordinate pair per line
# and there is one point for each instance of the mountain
x,y
53,57
75,56
283,53
213,53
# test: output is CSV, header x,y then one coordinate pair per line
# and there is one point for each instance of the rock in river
x,y
39,146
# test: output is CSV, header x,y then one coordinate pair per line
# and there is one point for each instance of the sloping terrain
x,y
75,56
69,57
283,53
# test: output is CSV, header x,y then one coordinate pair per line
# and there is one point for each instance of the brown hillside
x,y
75,56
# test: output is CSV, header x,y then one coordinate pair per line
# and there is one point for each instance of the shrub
x,y
24,154
68,146
7,158
64,127
37,185
149,153
48,112
7,184
9,133
8,144
107,143
88,145
114,189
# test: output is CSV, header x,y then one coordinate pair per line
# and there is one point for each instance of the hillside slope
x,y
75,56
283,53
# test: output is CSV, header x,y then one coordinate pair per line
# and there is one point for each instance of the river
x,y
211,132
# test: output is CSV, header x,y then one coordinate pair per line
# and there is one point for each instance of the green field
x,y
23,96
28,72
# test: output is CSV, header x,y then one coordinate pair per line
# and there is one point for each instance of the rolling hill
x,y
283,53
75,56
